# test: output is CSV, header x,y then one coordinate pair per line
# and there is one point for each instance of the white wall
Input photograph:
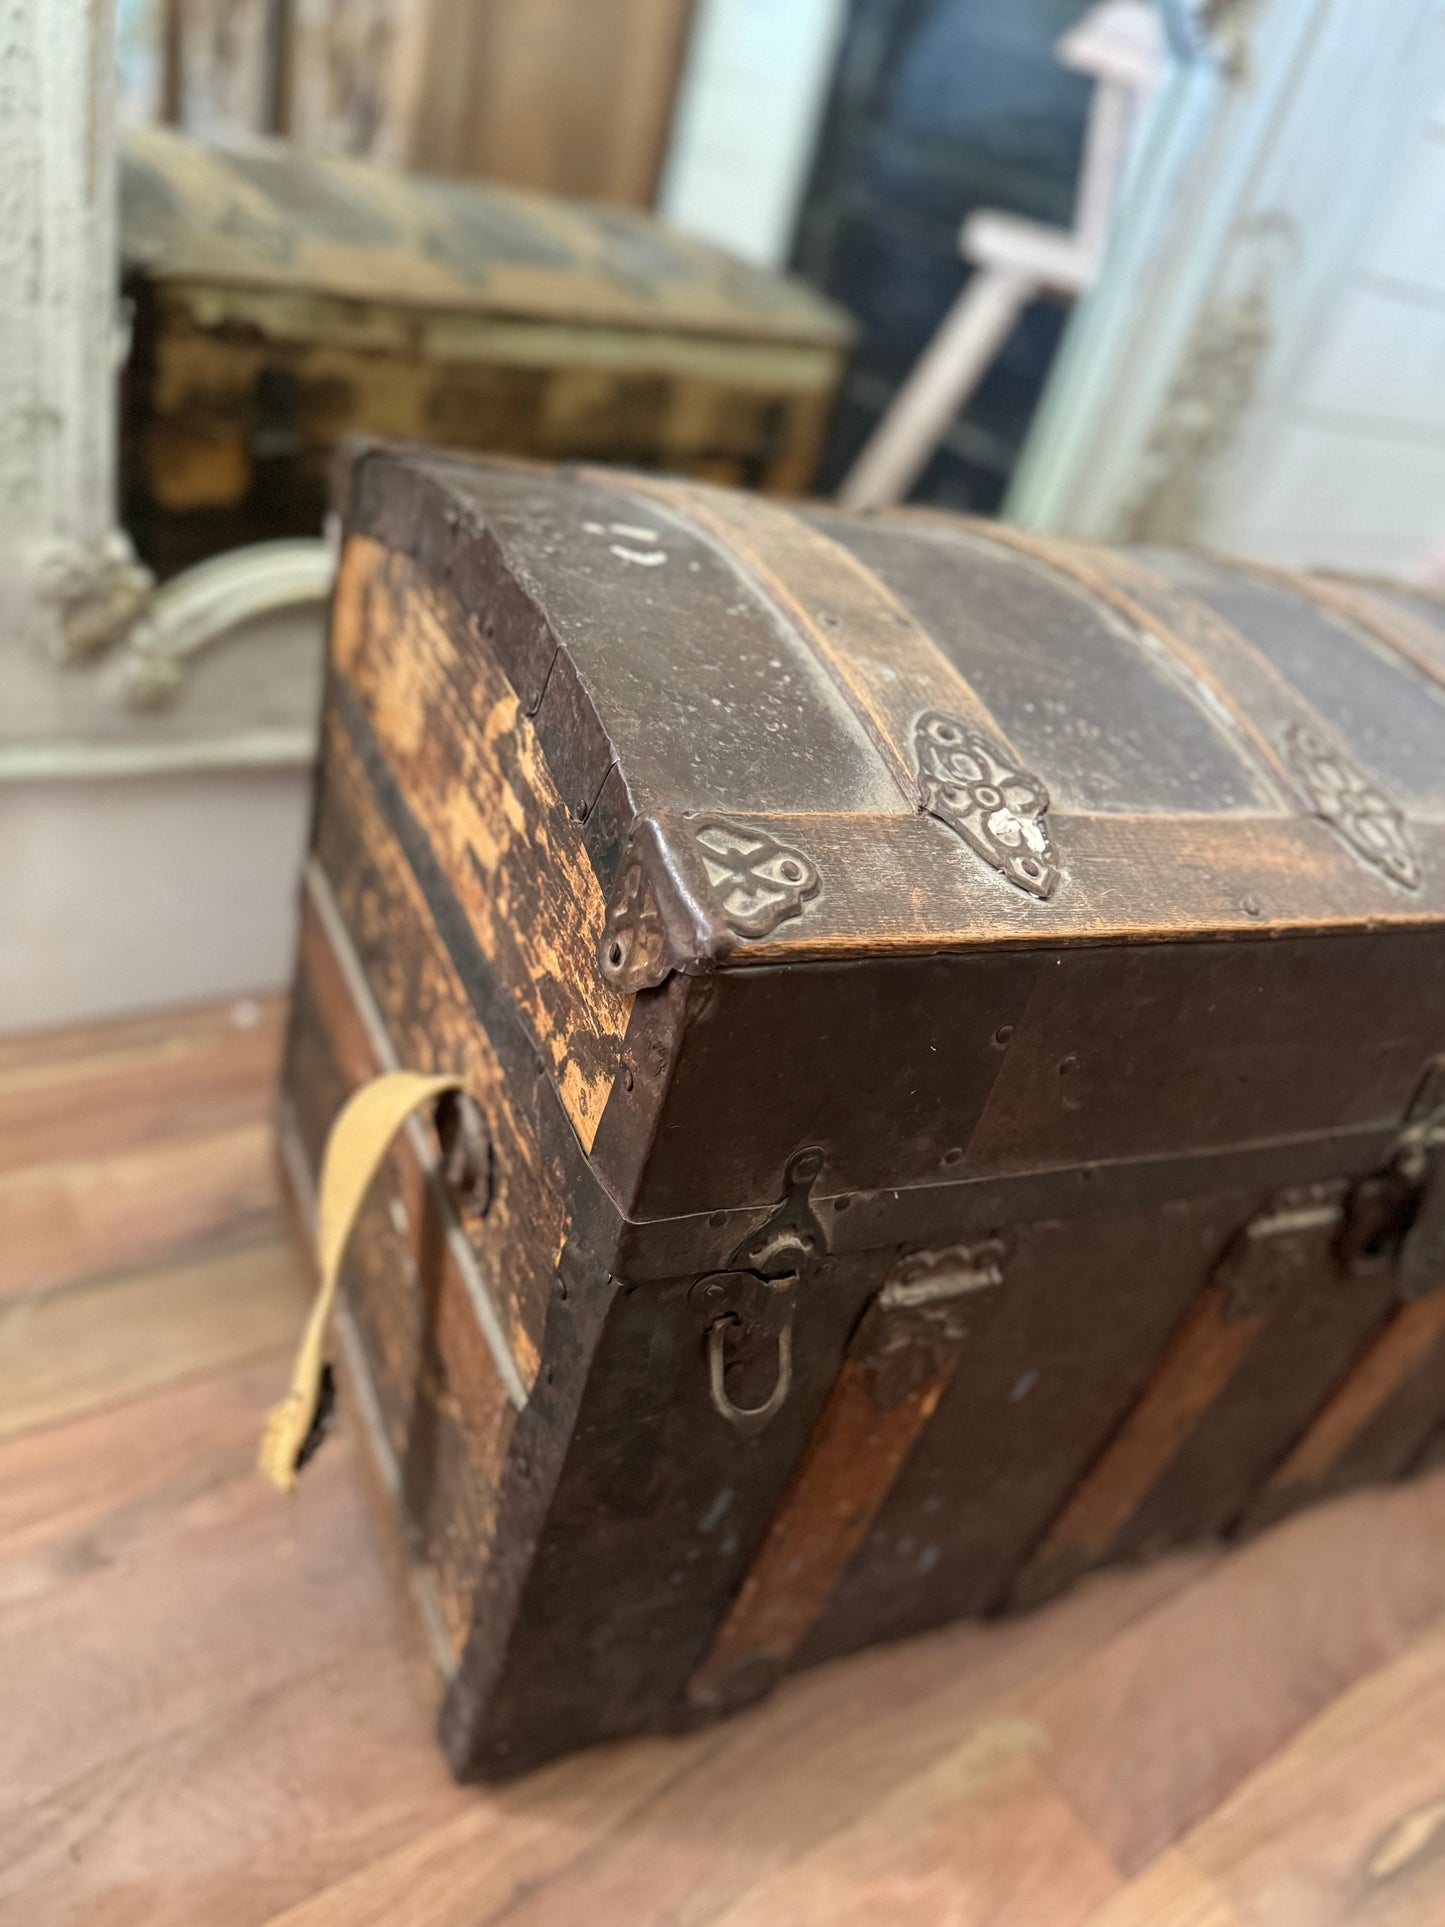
x,y
752,96
131,893
1260,366
1354,473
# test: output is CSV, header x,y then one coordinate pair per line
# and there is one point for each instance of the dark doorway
x,y
938,107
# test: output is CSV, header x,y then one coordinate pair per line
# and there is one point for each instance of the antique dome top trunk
x,y
951,1023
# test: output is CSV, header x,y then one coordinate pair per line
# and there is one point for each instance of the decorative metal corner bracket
x,y
1355,808
637,950
755,881
675,898
978,789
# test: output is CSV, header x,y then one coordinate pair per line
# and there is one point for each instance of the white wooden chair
x,y
1119,43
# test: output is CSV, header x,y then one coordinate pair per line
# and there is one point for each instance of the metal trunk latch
x,y
1296,1233
752,1314
1391,1221
749,1308
1396,1217
909,1337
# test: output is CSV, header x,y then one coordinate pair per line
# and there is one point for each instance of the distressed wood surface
x,y
886,664
846,1472
432,1026
1201,1357
442,1404
213,1706
1376,1422
468,766
569,96
218,367
1258,701
1034,1394
1414,629
217,58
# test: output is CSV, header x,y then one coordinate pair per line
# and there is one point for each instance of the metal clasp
x,y
1390,1221
755,1301
1409,1198
747,1419
749,1307
1296,1233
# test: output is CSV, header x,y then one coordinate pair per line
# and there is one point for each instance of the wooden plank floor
x,y
213,1707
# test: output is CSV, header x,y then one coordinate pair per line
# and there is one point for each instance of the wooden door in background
x,y
571,97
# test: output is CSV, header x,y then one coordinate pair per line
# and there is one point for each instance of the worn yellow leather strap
x,y
360,1138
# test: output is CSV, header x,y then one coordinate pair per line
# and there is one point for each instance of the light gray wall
x,y
1353,475
126,894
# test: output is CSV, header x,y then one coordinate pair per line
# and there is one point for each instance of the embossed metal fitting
x,y
755,881
1357,809
689,889
793,1234
933,1277
979,790
1279,1246
932,1302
